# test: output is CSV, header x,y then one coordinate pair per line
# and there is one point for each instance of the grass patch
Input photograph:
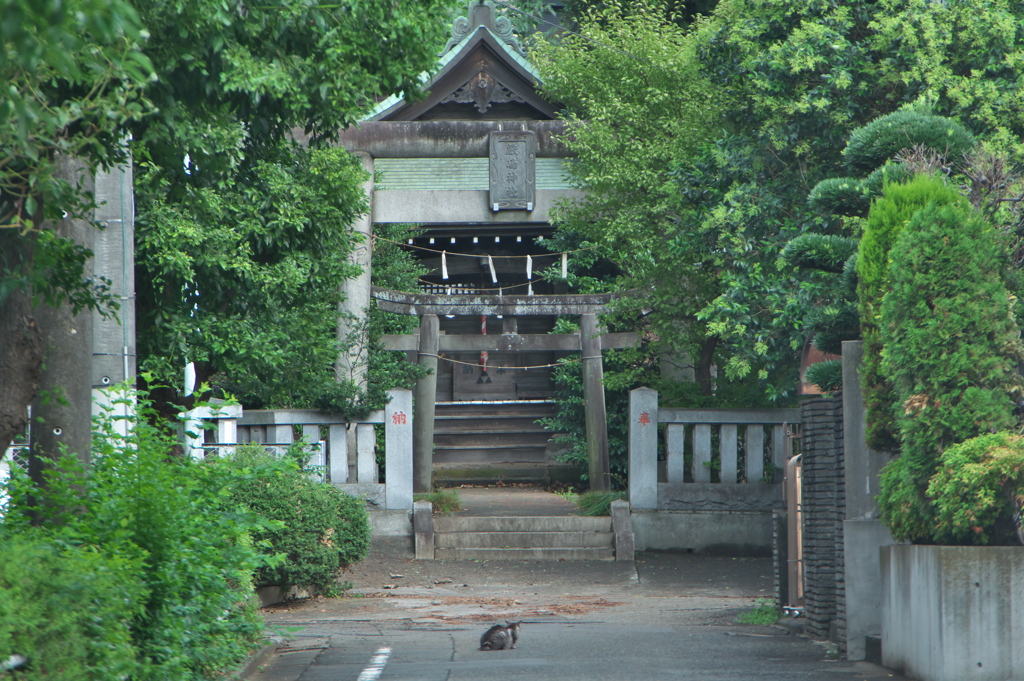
x,y
445,501
597,503
763,612
569,494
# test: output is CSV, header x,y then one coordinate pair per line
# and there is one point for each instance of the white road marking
x,y
376,666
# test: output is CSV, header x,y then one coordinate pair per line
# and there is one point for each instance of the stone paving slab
x,y
499,500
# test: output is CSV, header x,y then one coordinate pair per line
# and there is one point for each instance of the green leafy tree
x,y
245,281
950,350
235,218
72,74
209,96
799,78
636,105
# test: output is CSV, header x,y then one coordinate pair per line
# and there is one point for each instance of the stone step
x,y
498,439
499,524
523,409
519,540
562,553
487,423
489,456
486,473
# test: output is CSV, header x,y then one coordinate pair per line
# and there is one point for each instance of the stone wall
x,y
824,509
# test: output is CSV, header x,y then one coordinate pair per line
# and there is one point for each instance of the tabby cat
x,y
501,637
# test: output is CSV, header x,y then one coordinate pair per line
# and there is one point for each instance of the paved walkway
x,y
663,616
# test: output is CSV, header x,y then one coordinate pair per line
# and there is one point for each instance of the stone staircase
x,y
498,525
485,442
524,538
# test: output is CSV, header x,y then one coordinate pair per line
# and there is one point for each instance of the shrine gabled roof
x,y
504,52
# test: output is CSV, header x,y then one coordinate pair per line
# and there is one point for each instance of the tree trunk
x,y
705,362
62,411
21,352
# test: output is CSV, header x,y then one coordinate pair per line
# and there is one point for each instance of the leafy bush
x,y
832,324
886,220
316,527
570,420
69,609
196,559
950,351
979,491
880,140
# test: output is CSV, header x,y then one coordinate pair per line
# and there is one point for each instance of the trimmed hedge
x,y
880,140
885,222
951,348
841,196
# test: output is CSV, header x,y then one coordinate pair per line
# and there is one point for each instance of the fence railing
x,y
707,453
326,435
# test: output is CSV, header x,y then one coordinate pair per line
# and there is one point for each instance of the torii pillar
x,y
353,327
598,464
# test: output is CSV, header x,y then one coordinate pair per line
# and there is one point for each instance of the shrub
x,y
880,140
826,252
832,324
316,528
950,351
886,220
979,491
69,609
197,617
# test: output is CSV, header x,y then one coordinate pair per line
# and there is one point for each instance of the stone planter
x,y
953,613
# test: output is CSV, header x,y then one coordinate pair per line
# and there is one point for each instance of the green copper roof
x,y
427,78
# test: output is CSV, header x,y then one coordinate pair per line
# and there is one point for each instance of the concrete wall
x,y
391,523
863,533
718,532
953,613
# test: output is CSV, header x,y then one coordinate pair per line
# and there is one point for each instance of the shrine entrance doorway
x,y
432,347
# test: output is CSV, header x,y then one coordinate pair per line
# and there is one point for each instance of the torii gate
x,y
481,148
428,343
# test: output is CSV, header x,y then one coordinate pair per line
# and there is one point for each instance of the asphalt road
x,y
661,617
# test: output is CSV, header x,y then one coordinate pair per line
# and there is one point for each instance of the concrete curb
x,y
260,657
